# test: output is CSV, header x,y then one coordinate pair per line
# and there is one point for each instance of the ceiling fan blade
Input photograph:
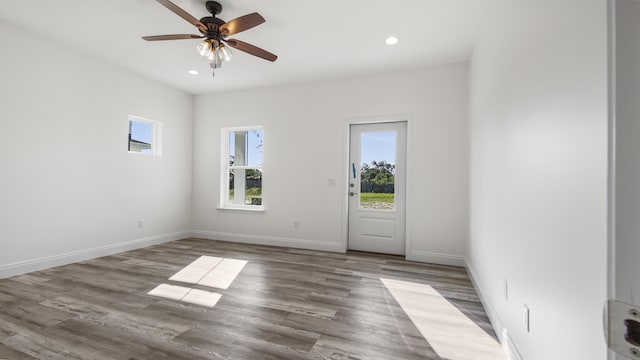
x,y
251,49
172,37
183,14
241,24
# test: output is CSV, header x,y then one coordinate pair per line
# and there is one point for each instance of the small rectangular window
x,y
242,168
144,136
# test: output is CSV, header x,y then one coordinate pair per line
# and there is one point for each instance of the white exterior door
x,y
377,161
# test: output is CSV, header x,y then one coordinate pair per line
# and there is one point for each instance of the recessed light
x,y
193,72
392,40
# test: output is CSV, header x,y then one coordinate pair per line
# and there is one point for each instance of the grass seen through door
x,y
377,200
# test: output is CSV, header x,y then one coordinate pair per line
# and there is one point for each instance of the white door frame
x,y
618,237
611,72
346,145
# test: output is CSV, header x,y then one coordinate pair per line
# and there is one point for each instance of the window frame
x,y
225,203
156,135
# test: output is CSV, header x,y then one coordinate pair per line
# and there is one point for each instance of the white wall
x,y
539,173
68,188
626,285
305,132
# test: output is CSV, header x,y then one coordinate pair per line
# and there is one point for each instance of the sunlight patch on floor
x,y
206,271
451,333
189,295
210,271
223,274
195,271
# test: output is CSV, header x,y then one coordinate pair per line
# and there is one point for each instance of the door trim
x,y
611,156
346,143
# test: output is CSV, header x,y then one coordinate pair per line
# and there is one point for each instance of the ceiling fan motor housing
x,y
212,22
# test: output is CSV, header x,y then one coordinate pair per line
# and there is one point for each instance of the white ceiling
x,y
314,40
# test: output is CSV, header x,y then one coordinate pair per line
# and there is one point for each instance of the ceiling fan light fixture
x,y
217,58
204,48
225,53
214,58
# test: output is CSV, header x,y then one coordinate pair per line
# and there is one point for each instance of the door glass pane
x,y
377,173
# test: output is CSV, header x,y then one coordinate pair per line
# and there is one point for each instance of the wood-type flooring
x,y
285,304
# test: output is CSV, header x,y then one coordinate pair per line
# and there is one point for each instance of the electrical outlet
x,y
140,223
526,317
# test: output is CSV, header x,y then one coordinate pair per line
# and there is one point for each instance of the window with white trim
x,y
241,175
144,136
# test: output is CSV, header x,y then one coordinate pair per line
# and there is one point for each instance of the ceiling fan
x,y
214,31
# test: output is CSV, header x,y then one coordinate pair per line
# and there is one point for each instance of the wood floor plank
x,y
12,354
284,304
329,347
36,314
47,342
123,344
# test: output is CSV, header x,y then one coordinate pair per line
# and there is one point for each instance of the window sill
x,y
257,210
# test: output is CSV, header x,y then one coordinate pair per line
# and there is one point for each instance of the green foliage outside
x,y
377,185
252,192
378,173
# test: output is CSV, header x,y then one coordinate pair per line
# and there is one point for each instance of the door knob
x,y
351,193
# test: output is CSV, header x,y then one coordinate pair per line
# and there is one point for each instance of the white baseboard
x,y
86,254
269,240
496,322
508,346
435,258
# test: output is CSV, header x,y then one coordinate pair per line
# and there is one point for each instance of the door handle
x,y
351,193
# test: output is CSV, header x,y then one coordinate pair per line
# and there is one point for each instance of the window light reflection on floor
x,y
189,295
206,271
210,271
450,332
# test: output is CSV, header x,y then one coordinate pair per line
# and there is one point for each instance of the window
x,y
144,136
241,185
